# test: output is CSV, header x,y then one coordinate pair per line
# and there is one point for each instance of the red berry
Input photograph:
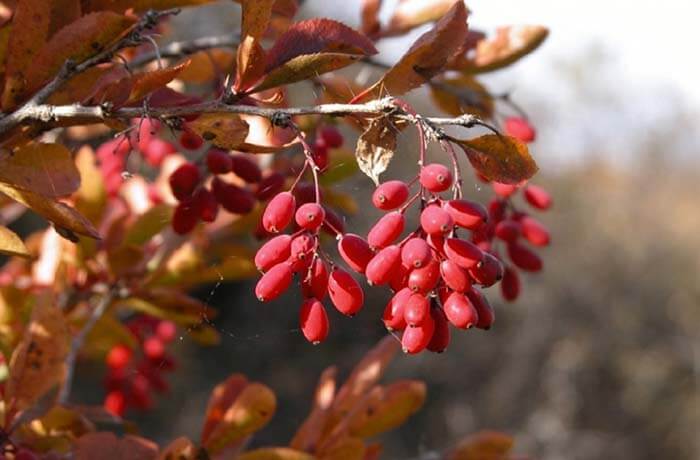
x,y
537,197
153,348
417,310
390,195
207,204
274,282
148,129
510,286
345,293
301,251
415,253
504,190
487,272
466,214
184,180
166,331
233,198
269,186
191,140
279,212
436,243
534,231
400,278
156,151
435,220
424,279
219,161
416,339
519,128
115,403
464,253
483,309
508,230
118,357
313,321
274,252
185,217
386,230
383,266
497,210
435,177
331,137
310,216
246,168
460,311
454,276
355,251
319,153
441,335
315,283
394,312
524,258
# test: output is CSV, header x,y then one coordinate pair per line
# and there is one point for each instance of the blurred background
x,y
600,356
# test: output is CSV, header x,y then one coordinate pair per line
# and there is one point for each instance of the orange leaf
x,y
275,453
38,362
226,131
223,395
30,29
81,86
506,47
147,82
484,445
251,56
370,16
46,169
139,6
345,448
206,65
500,158
106,446
251,410
463,94
303,67
427,56
309,433
413,13
78,41
181,449
285,8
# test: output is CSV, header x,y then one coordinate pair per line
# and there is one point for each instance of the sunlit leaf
x,y
250,58
11,244
147,82
91,197
369,14
427,57
275,453
55,431
309,433
463,94
304,67
38,362
107,333
500,158
106,446
181,449
375,147
506,47
484,445
226,131
45,169
222,396
413,13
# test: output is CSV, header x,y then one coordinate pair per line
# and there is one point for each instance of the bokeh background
x,y
600,356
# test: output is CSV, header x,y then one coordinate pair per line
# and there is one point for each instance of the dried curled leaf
x,y
463,94
46,169
304,67
38,362
427,57
11,244
484,445
413,13
500,158
226,131
375,147
508,45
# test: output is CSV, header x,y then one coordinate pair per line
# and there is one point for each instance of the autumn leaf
x,y
284,8
510,44
484,445
142,84
250,411
11,244
226,131
80,86
375,147
38,362
139,6
463,94
344,448
427,57
91,197
304,67
107,333
206,65
181,449
30,29
77,41
500,158
317,36
222,396
148,224
63,216
369,15
63,12
275,453
250,67
409,14
309,433
45,169
106,446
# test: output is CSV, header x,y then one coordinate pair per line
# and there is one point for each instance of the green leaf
x,y
500,158
46,169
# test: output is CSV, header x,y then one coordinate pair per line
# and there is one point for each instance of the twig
x,y
78,341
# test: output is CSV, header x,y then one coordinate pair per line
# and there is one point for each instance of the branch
x,y
79,340
71,69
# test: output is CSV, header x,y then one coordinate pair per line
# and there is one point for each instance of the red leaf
x,y
317,36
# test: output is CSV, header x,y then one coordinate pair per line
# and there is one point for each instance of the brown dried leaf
x,y
46,169
303,67
106,446
413,13
226,131
508,45
463,94
11,244
427,57
484,445
500,158
63,216
38,362
375,147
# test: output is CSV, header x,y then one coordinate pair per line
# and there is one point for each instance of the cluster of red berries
x,y
132,380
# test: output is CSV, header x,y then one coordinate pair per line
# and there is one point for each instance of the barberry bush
x,y
163,166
